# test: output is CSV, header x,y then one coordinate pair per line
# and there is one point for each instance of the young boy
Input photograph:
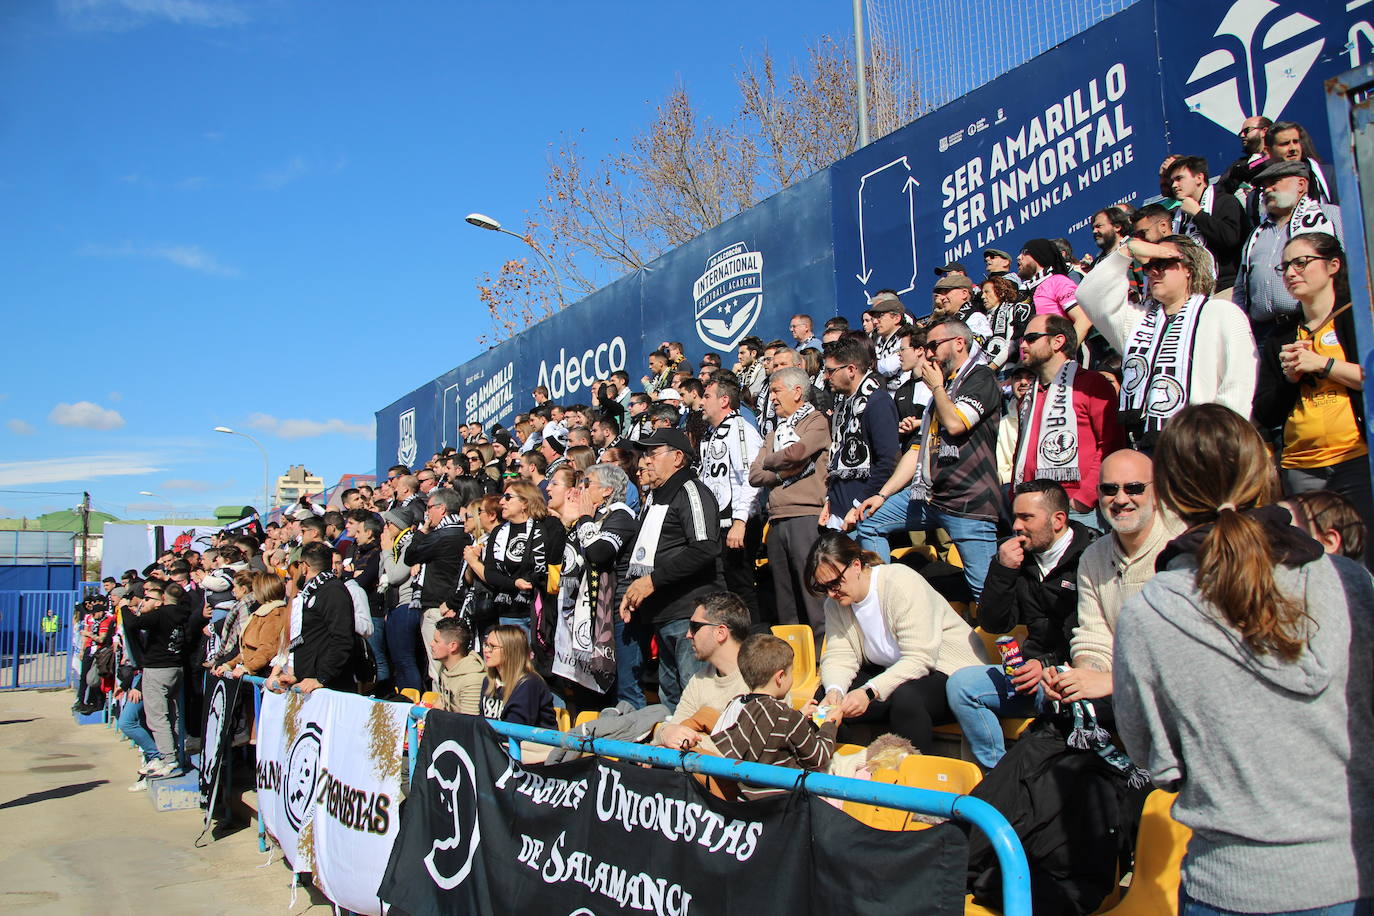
x,y
460,672
762,726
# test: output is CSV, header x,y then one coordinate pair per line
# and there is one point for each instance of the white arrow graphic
x,y
909,189
867,272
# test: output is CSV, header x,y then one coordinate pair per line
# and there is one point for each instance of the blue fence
x,y
29,657
965,808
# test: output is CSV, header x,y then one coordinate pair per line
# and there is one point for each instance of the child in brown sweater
x,y
762,727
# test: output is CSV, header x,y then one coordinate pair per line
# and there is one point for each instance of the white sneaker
x,y
140,786
160,769
148,765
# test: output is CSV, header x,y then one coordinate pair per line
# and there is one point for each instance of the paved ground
x,y
73,841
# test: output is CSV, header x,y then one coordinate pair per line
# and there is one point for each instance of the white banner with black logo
x,y
329,785
221,701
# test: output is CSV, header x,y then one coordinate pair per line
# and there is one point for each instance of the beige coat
x,y
930,634
461,689
262,638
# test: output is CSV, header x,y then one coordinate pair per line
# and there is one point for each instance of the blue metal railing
x,y
1010,856
28,656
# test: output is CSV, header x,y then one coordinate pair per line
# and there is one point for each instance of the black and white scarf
x,y
1156,374
645,553
448,521
584,640
1056,449
1307,216
849,455
786,434
1041,275
767,414
888,348
1187,225
518,550
931,440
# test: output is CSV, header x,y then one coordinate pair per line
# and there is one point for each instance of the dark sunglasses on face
x,y
695,626
1159,265
1033,336
1134,488
933,345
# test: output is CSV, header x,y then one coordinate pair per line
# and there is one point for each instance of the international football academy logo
x,y
1263,53
729,296
406,446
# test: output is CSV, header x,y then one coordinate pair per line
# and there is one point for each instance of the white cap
x,y
668,394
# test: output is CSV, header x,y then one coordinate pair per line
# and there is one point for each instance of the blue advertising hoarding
x,y
1031,154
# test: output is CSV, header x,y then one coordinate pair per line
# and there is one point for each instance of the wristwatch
x,y
872,694
1326,370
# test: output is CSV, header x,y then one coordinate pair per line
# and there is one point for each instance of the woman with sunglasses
x,y
515,563
1179,345
891,641
1244,681
1310,382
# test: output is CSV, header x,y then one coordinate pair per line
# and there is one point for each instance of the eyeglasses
x,y
393,479
1159,265
828,588
1300,262
933,345
694,626
491,646
1134,488
506,496
1033,336
830,370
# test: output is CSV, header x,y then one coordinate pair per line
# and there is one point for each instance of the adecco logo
x,y
570,373
1265,53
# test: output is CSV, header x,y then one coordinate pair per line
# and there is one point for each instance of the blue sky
x,y
221,212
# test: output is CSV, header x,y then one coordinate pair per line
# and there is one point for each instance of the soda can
x,y
1010,650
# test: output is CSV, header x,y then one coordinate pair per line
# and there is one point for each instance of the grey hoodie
x,y
1273,761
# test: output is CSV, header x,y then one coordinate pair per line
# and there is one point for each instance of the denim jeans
x,y
1089,519
1187,906
136,730
629,662
677,661
981,696
403,638
975,538
378,642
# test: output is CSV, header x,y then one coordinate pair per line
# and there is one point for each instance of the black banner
x,y
221,704
482,834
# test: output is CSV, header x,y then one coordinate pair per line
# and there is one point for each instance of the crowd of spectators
x,y
1152,458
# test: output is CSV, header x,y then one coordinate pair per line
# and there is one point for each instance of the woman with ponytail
x,y
1245,682
1310,380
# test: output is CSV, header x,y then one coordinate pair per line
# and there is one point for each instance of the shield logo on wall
x,y
729,296
406,446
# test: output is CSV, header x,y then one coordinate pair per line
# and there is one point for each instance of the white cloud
x,y
88,467
193,486
191,257
20,427
86,415
307,429
120,15
276,179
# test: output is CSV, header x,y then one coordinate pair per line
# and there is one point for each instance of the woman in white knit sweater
x,y
1179,346
892,641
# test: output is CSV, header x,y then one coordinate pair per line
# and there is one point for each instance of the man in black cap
x,y
1047,285
953,267
1290,209
954,299
997,263
673,563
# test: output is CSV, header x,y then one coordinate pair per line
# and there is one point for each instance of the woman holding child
x,y
892,641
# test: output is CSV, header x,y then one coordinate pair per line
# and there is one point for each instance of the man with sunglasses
x,y
1112,571
1067,421
720,623
1180,345
863,431
952,467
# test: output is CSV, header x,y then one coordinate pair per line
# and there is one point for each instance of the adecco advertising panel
x,y
1033,153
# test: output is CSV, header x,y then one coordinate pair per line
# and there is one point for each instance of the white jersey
x,y
727,451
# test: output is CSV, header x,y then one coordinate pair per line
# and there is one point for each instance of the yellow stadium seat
x,y
1159,848
954,559
805,677
942,774
977,909
590,715
411,694
564,720
762,560
842,750
430,698
876,816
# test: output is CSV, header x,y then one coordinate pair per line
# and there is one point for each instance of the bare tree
x,y
685,173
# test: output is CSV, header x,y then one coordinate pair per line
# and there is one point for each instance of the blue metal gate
x,y
28,656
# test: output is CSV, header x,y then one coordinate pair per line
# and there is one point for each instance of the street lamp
x,y
482,221
265,471
171,505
